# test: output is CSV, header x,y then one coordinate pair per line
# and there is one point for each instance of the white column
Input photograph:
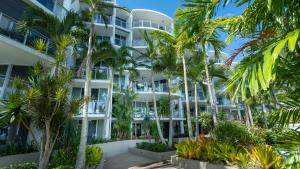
x,y
6,81
114,26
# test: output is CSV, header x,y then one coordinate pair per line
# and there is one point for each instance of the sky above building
x,y
169,7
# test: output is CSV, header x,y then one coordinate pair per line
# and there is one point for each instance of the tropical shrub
x,y
206,121
156,147
266,156
189,149
227,153
21,166
64,167
93,156
235,133
65,158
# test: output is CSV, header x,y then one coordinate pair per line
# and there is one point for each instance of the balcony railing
x,y
140,87
122,23
95,107
8,29
139,42
100,73
151,24
99,19
120,42
142,112
55,6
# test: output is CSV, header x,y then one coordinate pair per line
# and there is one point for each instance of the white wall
x,y
118,147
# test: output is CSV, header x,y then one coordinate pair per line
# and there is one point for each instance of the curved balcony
x,y
152,25
100,73
95,107
141,113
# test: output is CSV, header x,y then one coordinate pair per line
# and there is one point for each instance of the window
x,y
121,22
120,40
100,39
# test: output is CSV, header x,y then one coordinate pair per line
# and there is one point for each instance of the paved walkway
x,y
132,161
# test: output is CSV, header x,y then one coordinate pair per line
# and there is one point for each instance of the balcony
x,y
146,87
122,23
98,19
150,24
139,42
121,42
141,112
8,29
99,73
95,107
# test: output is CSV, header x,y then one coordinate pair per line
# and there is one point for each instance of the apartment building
x,y
124,28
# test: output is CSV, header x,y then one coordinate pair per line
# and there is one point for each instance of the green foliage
x,y
93,156
266,156
222,116
65,158
189,149
40,45
164,106
64,167
235,133
21,166
206,121
156,147
231,154
122,111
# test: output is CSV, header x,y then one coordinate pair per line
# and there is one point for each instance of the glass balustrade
x,y
29,38
150,24
101,73
95,107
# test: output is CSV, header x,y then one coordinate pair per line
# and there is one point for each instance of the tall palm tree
x,y
118,60
195,19
151,55
166,62
95,7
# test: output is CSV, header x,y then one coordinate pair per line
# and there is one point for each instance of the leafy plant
x,y
266,156
189,149
206,121
93,156
40,45
156,147
234,133
228,153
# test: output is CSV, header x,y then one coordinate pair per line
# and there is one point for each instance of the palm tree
x,y
195,20
151,54
118,60
95,7
166,62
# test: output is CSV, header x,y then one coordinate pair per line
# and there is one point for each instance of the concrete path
x,y
132,161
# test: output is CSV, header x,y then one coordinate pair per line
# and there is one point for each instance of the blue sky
x,y
169,6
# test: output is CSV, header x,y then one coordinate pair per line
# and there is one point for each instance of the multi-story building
x,y
124,29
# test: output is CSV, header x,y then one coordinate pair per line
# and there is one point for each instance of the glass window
x,y
20,71
3,69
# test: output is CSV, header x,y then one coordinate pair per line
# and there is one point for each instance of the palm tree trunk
x,y
238,110
196,110
264,115
187,104
155,110
109,103
45,156
210,93
170,117
80,161
249,115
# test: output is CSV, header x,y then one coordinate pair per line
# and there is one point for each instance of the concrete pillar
x,y
6,81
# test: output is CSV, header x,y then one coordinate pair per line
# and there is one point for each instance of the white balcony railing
x,y
99,73
139,42
99,19
151,24
141,112
29,38
95,107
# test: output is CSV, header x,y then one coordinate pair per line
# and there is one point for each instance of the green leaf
x,y
292,41
267,66
261,77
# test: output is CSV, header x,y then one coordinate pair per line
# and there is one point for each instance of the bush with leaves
x,y
206,121
235,133
189,149
156,147
266,156
67,157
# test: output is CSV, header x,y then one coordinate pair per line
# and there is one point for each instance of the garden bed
x,y
183,163
157,156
